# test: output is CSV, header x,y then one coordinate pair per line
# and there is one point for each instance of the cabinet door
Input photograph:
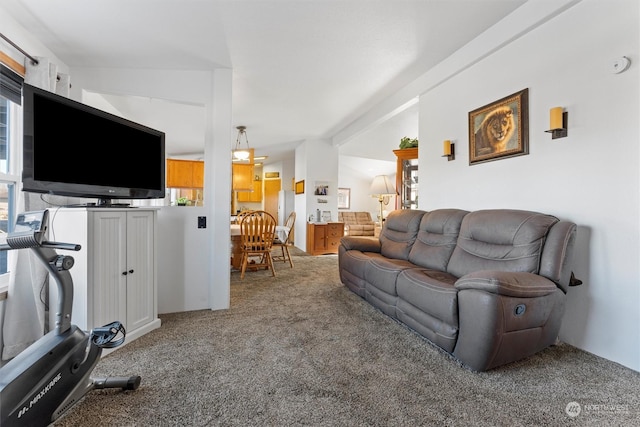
x,y
320,238
256,196
251,196
198,174
140,271
242,177
179,173
109,235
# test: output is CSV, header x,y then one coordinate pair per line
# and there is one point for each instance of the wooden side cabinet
x,y
324,238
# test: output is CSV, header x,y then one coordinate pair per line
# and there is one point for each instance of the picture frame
x,y
299,187
344,198
322,188
500,129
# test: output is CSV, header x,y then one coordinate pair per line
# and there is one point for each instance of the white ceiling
x,y
302,69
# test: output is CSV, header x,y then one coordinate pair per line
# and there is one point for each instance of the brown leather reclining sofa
x,y
487,286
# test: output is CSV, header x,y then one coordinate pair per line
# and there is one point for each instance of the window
x,y
10,131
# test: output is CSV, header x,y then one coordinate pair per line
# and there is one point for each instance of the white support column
x,y
217,196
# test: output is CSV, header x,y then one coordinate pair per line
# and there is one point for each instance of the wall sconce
x,y
449,150
558,123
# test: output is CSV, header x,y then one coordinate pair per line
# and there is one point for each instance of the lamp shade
x,y
556,118
382,186
446,150
241,154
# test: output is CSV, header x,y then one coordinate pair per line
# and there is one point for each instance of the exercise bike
x,y
50,376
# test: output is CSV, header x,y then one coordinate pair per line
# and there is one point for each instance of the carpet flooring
x,y
300,349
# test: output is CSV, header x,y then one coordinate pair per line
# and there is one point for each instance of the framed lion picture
x,y
500,129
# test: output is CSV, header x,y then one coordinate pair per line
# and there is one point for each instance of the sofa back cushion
x,y
363,218
501,239
399,232
436,239
347,217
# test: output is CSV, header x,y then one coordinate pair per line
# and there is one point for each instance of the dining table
x,y
282,232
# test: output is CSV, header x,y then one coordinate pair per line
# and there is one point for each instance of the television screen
x,y
72,149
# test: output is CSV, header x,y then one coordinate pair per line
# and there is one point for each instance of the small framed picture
x,y
344,198
322,189
299,187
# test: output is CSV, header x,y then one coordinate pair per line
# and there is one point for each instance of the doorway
x,y
271,189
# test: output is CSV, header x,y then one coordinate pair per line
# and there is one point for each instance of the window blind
x,y
10,85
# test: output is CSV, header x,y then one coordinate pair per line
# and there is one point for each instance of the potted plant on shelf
x,y
407,142
182,201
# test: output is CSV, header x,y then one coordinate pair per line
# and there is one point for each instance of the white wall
x,y
321,167
204,274
286,170
182,280
315,161
591,177
359,181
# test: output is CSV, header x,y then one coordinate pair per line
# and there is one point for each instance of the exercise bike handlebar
x,y
46,244
61,245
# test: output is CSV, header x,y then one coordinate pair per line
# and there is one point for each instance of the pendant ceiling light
x,y
240,153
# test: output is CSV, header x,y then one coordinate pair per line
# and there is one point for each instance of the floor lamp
x,y
382,188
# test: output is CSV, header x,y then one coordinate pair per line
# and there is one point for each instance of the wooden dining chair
x,y
257,231
242,215
284,246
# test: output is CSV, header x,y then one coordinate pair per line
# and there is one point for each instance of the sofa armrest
x,y
362,244
505,316
512,284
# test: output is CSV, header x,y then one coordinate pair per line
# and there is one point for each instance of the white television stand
x,y
114,274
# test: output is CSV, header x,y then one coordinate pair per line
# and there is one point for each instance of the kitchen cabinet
x,y
251,196
185,173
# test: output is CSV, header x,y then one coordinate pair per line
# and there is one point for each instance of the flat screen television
x,y
72,149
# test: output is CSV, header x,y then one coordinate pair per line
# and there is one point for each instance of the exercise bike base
x,y
125,383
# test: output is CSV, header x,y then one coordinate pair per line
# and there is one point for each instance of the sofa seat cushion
x,y
382,272
427,303
431,291
380,278
352,265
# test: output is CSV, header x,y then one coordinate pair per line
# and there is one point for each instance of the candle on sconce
x,y
446,148
556,118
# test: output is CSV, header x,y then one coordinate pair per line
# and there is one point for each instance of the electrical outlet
x,y
202,222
